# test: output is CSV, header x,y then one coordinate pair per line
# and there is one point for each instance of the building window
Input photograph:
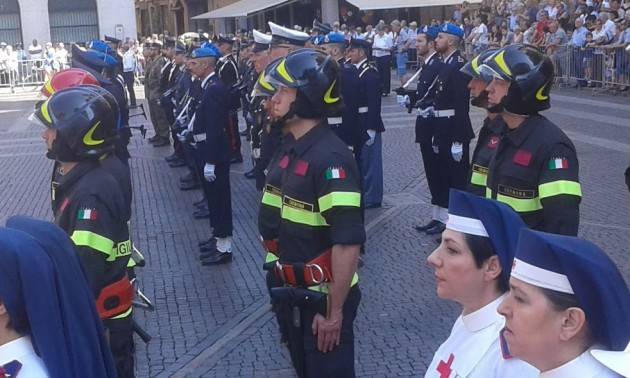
x,y
73,21
10,28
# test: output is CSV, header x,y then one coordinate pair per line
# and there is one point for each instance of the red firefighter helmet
x,y
71,77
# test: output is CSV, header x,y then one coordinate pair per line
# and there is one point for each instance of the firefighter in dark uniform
x,y
89,205
321,227
535,168
423,97
259,59
227,69
209,129
345,124
451,122
493,125
101,61
369,117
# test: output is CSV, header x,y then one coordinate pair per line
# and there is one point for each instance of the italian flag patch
x,y
558,163
87,214
335,173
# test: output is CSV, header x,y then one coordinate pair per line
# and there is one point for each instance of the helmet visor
x,y
263,88
487,73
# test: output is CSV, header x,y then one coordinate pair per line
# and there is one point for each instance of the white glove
x,y
403,101
426,112
182,135
256,153
457,151
372,134
208,172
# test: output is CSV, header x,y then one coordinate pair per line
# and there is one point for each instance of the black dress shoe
x,y
172,157
201,214
162,142
154,139
210,247
177,163
200,203
204,242
251,174
187,177
213,253
372,205
189,185
217,259
425,227
437,229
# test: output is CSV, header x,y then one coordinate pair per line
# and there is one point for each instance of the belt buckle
x,y
321,272
280,272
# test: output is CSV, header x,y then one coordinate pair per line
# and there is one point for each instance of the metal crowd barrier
x,y
22,73
603,68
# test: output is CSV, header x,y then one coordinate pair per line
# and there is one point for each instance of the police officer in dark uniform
x,y
209,130
451,122
535,168
369,118
321,225
171,99
89,205
227,69
346,124
256,112
423,97
493,125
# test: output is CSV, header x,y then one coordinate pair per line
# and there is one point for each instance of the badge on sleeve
x,y
558,163
493,142
87,214
333,173
11,369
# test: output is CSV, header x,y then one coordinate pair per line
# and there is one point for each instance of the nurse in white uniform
x,y
49,326
472,267
567,302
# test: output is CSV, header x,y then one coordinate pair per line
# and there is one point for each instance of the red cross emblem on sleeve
x,y
444,368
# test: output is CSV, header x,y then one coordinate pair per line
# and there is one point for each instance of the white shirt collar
x,y
446,58
583,365
429,58
483,317
203,83
16,350
358,65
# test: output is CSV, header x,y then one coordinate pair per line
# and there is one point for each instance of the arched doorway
x,y
10,26
73,20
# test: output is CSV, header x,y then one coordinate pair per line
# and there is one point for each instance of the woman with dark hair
x,y
49,326
567,303
472,267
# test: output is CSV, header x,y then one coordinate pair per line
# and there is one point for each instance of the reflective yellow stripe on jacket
x,y
521,205
82,238
479,179
324,288
333,199
555,188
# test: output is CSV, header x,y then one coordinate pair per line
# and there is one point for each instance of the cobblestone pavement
x,y
215,321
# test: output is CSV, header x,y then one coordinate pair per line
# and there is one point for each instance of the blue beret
x,y
207,50
360,43
430,31
474,215
452,29
575,266
335,38
317,40
99,46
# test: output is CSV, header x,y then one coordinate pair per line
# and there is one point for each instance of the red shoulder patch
x,y
301,167
522,157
